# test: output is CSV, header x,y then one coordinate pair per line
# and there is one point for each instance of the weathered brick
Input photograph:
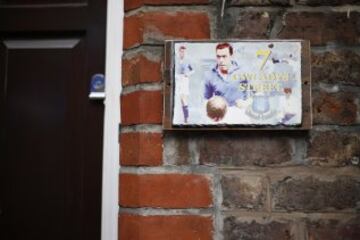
x,y
165,190
140,69
334,229
155,27
259,2
312,194
333,148
245,149
326,2
132,4
141,107
340,66
241,191
178,148
141,149
334,108
320,27
238,229
189,227
241,24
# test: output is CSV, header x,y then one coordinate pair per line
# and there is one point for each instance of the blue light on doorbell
x,y
97,86
97,83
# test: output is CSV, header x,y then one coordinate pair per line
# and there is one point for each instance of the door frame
x,y
112,119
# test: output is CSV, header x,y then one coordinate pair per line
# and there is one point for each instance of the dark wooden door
x,y
51,133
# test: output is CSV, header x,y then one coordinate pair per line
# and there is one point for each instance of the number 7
x,y
263,52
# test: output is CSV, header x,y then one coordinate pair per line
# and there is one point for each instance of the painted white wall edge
x,y
110,178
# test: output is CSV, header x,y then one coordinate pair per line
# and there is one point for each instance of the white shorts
x,y
182,84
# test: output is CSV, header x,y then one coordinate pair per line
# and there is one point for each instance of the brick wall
x,y
241,185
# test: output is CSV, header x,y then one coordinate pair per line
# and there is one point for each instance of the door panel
x,y
40,112
51,134
40,19
32,2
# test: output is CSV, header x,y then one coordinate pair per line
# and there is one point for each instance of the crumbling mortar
x,y
277,24
345,129
333,46
213,22
207,171
257,8
167,212
268,196
334,88
147,128
295,215
329,210
299,147
218,199
300,8
324,9
170,9
141,45
151,52
194,152
278,173
357,102
142,86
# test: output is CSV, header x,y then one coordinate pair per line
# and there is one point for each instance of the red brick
x,y
141,149
140,69
189,227
155,27
132,31
132,4
334,108
165,190
141,107
321,28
